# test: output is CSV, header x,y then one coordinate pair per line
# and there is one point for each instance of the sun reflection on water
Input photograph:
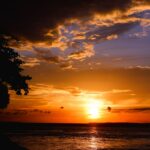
x,y
93,143
93,139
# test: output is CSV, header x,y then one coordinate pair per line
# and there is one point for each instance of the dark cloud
x,y
34,25
46,55
18,112
31,19
132,110
116,29
40,111
14,112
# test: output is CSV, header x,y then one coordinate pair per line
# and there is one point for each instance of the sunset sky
x,y
89,60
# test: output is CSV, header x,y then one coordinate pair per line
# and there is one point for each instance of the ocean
x,y
105,136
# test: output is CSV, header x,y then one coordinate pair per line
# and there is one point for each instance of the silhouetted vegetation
x,y
11,77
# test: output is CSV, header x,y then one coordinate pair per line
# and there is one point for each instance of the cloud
x,y
46,55
134,82
86,51
68,25
67,66
30,62
131,110
31,20
14,112
113,36
40,111
119,95
45,96
22,112
72,90
143,67
46,99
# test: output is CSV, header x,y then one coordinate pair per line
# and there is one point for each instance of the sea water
x,y
81,136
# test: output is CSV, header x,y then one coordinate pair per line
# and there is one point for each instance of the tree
x,y
11,77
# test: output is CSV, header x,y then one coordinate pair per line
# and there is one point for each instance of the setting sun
x,y
94,109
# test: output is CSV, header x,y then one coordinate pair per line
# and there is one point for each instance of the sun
x,y
94,109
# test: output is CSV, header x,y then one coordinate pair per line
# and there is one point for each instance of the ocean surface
x,y
116,136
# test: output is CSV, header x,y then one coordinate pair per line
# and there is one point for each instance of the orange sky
x,y
81,101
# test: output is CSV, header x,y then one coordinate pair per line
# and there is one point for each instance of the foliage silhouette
x,y
11,77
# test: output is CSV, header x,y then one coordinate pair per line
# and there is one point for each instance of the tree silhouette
x,y
11,77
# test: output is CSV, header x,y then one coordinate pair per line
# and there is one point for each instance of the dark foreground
x,y
116,136
7,144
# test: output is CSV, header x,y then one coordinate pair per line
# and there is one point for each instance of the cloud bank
x,y
70,25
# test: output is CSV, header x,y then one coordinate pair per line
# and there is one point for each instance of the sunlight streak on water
x,y
93,143
93,140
